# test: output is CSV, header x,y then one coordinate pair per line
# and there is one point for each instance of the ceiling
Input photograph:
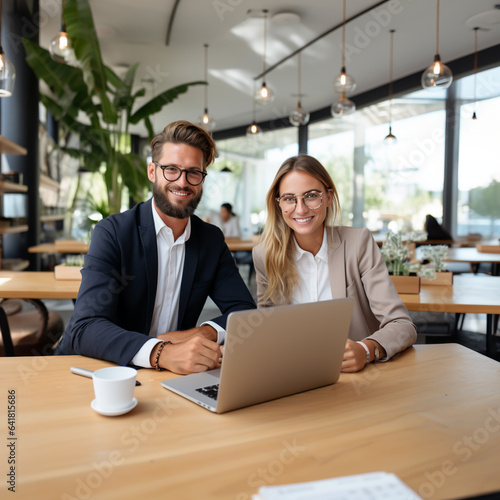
x,y
131,31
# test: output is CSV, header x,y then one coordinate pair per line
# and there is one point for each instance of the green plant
x,y
435,254
91,101
396,252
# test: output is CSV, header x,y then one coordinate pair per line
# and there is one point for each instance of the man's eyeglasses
x,y
312,199
172,173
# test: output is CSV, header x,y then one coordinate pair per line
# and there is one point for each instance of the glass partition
x,y
478,203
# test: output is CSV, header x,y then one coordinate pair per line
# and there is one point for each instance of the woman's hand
x,y
354,357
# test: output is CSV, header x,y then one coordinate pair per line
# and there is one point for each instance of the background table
x,y
474,258
36,285
31,285
469,294
411,416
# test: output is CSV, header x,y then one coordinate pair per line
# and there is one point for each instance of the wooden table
x,y
428,416
36,285
474,258
240,245
31,285
77,247
469,294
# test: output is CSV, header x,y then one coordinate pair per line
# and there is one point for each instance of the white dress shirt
x,y
231,228
314,282
171,254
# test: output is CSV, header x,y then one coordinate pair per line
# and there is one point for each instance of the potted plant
x,y
436,256
90,101
69,270
396,252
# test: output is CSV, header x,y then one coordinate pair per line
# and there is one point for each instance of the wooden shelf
x,y
11,148
15,264
12,187
51,218
13,229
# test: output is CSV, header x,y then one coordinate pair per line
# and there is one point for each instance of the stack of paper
x,y
372,486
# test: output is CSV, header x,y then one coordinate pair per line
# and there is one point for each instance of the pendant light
x,y
253,129
344,82
299,116
60,47
437,74
206,121
342,107
474,116
390,138
264,95
7,70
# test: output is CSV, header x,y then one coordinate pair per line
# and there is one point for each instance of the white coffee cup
x,y
114,387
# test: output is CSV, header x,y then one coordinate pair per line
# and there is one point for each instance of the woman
x,y
304,257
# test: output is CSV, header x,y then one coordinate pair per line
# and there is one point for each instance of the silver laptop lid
x,y
279,351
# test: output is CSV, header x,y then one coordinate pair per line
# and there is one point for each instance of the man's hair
x,y
184,132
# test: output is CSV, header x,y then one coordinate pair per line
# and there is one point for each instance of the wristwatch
x,y
365,347
377,352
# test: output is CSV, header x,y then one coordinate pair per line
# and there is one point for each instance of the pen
x,y
88,373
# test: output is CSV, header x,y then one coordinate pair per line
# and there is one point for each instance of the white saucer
x,y
113,413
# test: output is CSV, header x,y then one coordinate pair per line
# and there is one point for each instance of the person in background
x,y
149,270
434,230
304,256
230,222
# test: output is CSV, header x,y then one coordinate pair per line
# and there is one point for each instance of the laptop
x,y
270,353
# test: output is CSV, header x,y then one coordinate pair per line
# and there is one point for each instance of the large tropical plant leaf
x,y
157,103
134,174
66,82
83,36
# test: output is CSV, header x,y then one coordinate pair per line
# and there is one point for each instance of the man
x,y
149,270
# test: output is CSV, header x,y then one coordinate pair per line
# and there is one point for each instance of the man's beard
x,y
166,207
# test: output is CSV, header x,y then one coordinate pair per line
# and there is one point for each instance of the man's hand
x,y
197,354
205,331
354,357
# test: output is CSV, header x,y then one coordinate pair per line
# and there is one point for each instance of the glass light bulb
x,y
206,121
253,130
7,76
264,95
437,75
299,116
342,107
61,50
390,138
344,82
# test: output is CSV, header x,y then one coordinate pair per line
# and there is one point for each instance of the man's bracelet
x,y
157,359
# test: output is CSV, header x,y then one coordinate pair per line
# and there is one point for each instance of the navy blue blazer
x,y
114,308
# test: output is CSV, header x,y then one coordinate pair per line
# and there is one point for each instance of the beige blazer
x,y
357,269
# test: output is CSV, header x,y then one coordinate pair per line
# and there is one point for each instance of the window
x,y
478,205
243,174
378,183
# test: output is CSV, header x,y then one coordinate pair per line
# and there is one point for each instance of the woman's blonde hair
x,y
277,237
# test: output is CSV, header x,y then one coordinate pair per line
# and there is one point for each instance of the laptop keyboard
x,y
210,390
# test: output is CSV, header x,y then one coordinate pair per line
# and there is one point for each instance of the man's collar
x,y
159,224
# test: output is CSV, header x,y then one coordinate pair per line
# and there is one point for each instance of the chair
x,y
28,333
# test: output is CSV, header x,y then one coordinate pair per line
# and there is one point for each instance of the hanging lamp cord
x,y
206,77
